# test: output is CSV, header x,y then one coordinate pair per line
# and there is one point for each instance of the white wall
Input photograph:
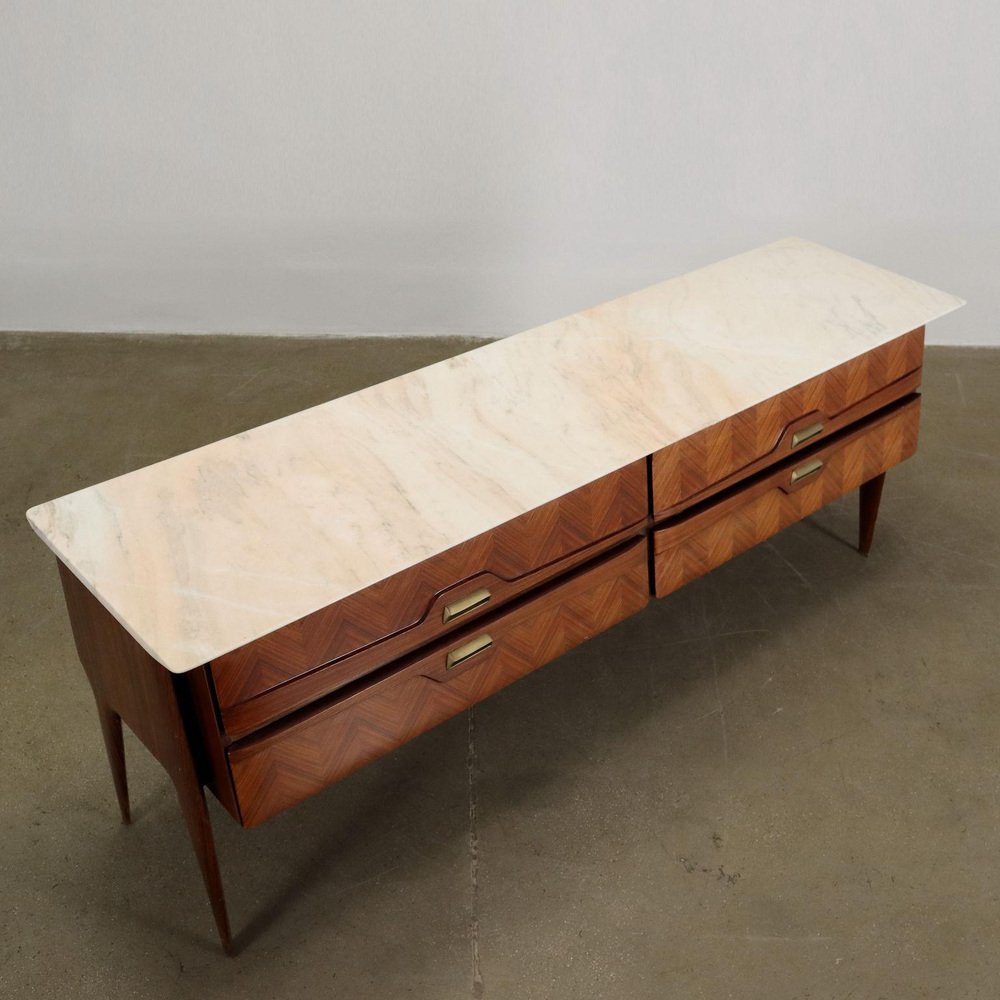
x,y
449,165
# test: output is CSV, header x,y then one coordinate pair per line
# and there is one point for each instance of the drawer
x,y
712,533
274,770
716,458
379,624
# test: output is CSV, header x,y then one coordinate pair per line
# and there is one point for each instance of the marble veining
x,y
203,552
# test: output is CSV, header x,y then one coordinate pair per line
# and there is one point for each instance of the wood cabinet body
x,y
267,722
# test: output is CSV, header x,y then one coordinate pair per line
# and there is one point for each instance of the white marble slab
x,y
201,553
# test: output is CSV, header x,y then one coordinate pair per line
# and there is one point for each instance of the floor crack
x,y
719,707
471,763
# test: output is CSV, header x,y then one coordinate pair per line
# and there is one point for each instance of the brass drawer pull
x,y
468,603
467,650
807,433
807,470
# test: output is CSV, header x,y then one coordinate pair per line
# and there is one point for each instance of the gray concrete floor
x,y
781,782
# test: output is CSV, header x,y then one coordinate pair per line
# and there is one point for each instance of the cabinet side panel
x,y
150,700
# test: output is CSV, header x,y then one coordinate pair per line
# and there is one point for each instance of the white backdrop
x,y
460,166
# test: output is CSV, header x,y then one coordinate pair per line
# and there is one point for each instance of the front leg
x,y
111,729
191,797
870,496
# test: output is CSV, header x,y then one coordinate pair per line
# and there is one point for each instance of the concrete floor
x,y
781,782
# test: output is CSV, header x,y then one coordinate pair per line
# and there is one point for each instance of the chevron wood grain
x,y
503,560
714,458
273,772
246,717
726,527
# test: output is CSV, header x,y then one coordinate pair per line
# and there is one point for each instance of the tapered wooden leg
x,y
111,728
192,799
130,686
870,496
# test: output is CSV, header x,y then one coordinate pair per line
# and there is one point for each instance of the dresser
x,y
275,610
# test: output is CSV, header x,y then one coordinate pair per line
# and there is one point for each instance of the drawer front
x,y
733,449
274,771
433,598
716,532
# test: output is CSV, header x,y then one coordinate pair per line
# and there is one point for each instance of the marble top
x,y
201,553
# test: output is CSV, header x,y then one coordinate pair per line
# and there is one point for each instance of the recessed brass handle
x,y
467,650
807,470
468,603
807,433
